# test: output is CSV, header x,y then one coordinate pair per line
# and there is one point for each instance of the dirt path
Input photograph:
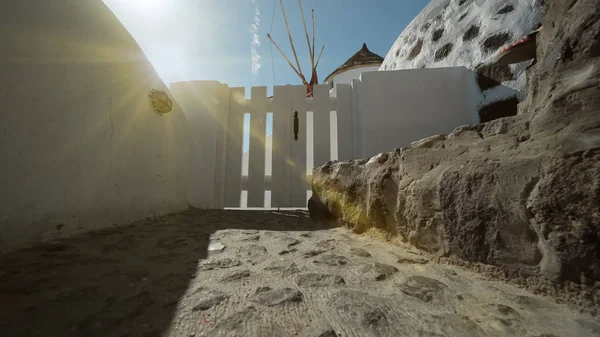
x,y
253,273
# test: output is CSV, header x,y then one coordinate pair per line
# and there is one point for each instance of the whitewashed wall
x,y
396,108
278,167
207,107
378,112
494,23
80,146
347,76
82,149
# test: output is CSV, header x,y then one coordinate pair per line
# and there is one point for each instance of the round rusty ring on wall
x,y
160,101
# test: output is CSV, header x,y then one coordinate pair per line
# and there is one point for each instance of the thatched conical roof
x,y
364,57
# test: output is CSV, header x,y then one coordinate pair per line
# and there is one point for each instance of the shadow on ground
x,y
122,281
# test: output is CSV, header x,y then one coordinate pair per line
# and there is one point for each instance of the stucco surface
x,y
80,145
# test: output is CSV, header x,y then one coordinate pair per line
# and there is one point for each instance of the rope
x,y
273,15
271,43
272,63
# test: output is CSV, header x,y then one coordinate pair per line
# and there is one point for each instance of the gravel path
x,y
255,273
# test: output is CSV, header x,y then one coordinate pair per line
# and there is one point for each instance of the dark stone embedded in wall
x,y
443,52
506,9
499,109
416,50
461,2
494,42
471,33
463,16
425,26
491,75
397,52
437,34
486,83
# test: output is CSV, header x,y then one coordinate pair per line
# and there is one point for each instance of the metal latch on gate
x,y
296,125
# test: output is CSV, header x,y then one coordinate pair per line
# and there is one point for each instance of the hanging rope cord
x,y
271,43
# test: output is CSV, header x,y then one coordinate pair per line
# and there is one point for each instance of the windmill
x,y
311,49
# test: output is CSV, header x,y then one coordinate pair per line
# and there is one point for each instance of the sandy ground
x,y
257,273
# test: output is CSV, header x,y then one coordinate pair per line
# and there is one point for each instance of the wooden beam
x,y
285,57
318,59
312,57
287,27
313,36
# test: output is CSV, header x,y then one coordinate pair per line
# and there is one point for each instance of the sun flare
x,y
145,6
151,5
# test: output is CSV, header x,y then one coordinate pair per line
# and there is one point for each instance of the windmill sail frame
x,y
311,50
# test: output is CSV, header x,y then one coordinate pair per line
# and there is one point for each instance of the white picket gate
x,y
217,117
379,111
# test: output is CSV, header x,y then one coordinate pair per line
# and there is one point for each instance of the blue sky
x,y
213,39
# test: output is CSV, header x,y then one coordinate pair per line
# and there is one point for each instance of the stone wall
x,y
521,192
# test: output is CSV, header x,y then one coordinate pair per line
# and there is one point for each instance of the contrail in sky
x,y
255,43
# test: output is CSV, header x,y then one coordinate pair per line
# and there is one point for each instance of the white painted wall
x,y
397,108
206,105
80,146
454,18
347,76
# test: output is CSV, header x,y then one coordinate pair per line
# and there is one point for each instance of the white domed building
x,y
364,60
470,33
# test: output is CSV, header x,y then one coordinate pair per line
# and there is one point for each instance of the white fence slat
x,y
216,116
282,119
297,170
345,127
201,101
256,154
269,104
357,115
321,125
235,142
222,120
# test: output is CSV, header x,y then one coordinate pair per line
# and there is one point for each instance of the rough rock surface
x,y
521,193
150,279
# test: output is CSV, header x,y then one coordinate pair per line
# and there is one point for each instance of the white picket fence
x,y
378,112
290,177
218,115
